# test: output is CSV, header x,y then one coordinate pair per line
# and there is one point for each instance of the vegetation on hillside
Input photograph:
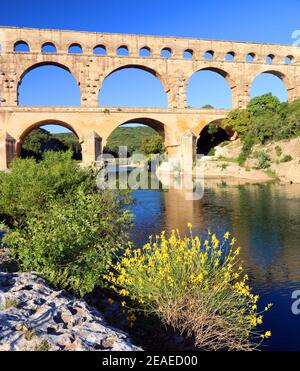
x,y
265,120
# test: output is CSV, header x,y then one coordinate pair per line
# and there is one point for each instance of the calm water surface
x,y
265,219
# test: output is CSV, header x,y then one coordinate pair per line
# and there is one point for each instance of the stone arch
x,y
75,48
100,49
287,82
156,125
28,129
123,51
49,44
226,75
23,43
34,66
145,51
141,67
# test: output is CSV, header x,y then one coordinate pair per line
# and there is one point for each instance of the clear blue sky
x,y
262,21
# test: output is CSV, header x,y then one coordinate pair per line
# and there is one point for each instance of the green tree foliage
x,y
131,137
207,106
39,141
266,102
239,120
62,226
153,145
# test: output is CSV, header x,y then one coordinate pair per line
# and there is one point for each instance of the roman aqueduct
x,y
170,59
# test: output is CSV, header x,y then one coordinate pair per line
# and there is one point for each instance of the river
x,y
264,218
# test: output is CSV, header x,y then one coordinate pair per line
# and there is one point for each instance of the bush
x,y
29,185
278,151
194,285
287,158
62,227
263,160
153,145
245,152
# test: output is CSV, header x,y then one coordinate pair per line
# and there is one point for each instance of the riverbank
x,y
33,316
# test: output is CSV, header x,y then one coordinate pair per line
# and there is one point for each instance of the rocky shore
x,y
33,316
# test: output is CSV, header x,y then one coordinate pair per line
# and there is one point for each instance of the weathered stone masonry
x,y
91,123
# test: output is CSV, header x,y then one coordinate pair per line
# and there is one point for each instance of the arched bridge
x,y
92,57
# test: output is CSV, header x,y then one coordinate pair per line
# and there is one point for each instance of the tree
x,y
207,106
239,120
153,145
266,102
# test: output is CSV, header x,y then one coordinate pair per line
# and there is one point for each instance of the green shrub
x,y
29,185
153,145
278,151
245,152
212,152
287,158
72,241
263,160
194,285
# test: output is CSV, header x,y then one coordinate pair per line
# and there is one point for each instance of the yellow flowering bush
x,y
195,285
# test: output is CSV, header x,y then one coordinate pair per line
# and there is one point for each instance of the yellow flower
x,y
190,225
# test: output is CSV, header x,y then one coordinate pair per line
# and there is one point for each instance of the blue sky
x,y
271,21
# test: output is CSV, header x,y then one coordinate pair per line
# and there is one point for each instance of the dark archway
x,y
210,137
48,84
49,136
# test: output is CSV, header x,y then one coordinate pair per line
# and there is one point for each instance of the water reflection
x,y
265,220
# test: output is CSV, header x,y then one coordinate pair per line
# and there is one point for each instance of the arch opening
x,y
188,54
250,58
48,84
47,136
209,55
269,82
230,57
145,52
133,86
141,135
289,59
99,50
210,137
270,59
166,53
75,49
21,47
49,48
123,51
209,88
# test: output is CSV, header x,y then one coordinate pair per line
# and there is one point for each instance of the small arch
x,y
145,52
99,50
0,48
75,49
250,57
270,58
123,51
230,56
21,47
166,53
48,47
188,54
209,55
289,59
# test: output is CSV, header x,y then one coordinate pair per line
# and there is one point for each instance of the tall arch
x,y
47,82
272,81
211,136
133,86
215,81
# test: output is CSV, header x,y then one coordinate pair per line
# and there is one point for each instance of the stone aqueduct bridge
x,y
92,124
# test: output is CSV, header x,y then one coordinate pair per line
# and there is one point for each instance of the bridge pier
x,y
91,148
7,151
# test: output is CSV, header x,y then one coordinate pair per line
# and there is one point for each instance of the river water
x,y
265,219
